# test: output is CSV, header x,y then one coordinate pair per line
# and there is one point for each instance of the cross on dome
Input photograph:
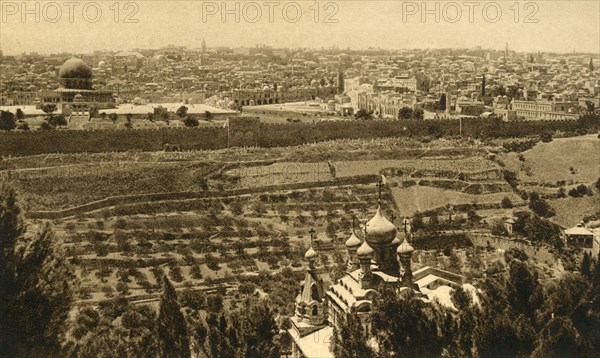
x,y
379,185
312,235
406,225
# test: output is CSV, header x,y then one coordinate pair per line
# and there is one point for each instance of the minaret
x,y
483,85
340,82
352,245
203,52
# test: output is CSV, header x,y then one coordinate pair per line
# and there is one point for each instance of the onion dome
x,y
364,251
404,248
380,230
353,241
311,254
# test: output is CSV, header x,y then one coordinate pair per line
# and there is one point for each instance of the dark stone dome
x,y
75,74
75,68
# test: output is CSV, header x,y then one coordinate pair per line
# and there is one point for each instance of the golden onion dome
x,y
380,230
353,241
364,251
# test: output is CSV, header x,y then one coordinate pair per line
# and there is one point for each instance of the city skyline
x,y
546,26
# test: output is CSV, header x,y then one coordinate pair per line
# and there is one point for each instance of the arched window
x,y
315,310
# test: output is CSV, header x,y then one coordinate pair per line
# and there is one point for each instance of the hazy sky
x,y
558,26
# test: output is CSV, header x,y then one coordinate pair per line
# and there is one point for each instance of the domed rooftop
x,y
75,68
353,241
364,250
405,248
310,254
380,231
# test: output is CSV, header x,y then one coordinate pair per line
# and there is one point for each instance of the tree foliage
x,y
407,327
350,341
116,329
182,112
362,114
7,121
36,285
171,328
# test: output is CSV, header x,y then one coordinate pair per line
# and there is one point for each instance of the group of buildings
x,y
444,83
379,257
220,76
451,83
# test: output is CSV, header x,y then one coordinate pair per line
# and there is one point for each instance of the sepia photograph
x,y
299,179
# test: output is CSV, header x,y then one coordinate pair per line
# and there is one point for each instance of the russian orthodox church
x,y
378,256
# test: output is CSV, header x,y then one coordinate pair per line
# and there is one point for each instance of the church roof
x,y
313,288
310,254
405,248
353,241
379,229
364,250
314,345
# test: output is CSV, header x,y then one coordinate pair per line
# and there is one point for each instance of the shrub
x,y
195,272
539,206
546,137
498,229
191,122
506,203
122,288
580,191
175,273
510,177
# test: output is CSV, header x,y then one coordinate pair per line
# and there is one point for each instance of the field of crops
x,y
61,187
295,172
421,198
461,165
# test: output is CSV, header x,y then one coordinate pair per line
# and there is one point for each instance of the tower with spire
x,y
310,314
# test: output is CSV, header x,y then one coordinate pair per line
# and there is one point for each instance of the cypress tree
x,y
483,86
586,265
443,102
172,332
